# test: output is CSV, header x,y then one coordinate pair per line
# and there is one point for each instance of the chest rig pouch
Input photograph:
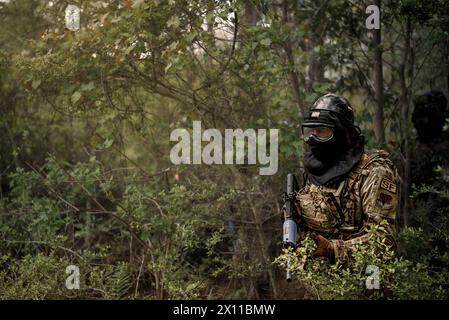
x,y
328,210
320,209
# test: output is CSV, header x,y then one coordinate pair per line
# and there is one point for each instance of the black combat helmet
x,y
329,115
327,105
336,143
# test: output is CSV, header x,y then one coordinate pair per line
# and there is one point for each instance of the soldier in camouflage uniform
x,y
346,188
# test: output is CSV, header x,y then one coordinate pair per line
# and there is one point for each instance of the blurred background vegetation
x,y
86,118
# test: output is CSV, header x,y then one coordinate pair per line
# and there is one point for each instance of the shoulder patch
x,y
388,185
385,201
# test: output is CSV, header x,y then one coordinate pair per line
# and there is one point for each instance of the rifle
x,y
290,232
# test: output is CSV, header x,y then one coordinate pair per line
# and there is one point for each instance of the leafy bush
x,y
143,242
399,278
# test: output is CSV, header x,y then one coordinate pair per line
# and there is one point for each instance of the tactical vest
x,y
337,210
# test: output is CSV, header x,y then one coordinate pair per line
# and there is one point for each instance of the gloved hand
x,y
324,247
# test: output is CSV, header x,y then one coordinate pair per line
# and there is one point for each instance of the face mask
x,y
326,151
332,159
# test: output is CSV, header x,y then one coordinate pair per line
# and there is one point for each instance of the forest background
x,y
86,117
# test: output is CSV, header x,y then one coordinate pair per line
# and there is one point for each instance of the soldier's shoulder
x,y
376,163
377,153
374,158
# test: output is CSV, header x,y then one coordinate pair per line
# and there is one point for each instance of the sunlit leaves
x,y
75,97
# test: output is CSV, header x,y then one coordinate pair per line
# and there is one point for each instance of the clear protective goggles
x,y
321,134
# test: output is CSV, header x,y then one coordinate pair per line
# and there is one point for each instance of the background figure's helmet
x,y
330,112
429,115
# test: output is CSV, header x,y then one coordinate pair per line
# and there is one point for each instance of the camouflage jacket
x,y
340,212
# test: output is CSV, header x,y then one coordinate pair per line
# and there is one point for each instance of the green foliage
x,y
178,235
399,278
102,102
42,276
120,281
38,277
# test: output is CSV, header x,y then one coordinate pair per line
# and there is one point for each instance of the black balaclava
x,y
331,160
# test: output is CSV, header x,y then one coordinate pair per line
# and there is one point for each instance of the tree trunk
x,y
263,246
291,61
407,65
447,46
378,86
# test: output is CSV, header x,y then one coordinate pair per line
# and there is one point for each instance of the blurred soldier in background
x,y
432,146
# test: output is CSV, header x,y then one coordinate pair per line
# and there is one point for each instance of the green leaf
x,y
173,22
265,42
88,87
75,97
36,84
138,3
167,67
108,143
